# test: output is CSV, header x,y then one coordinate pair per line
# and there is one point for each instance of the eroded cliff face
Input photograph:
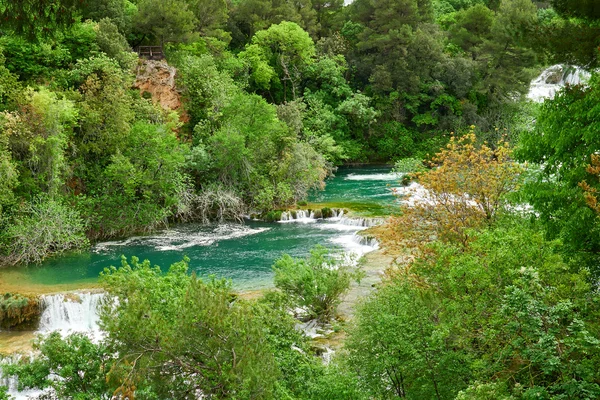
x,y
157,80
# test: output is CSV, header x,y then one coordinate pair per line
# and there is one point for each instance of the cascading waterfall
x,y
554,78
368,241
297,215
361,222
71,312
337,215
356,244
66,313
12,382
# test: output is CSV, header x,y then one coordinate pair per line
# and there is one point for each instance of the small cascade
x,y
297,215
361,222
71,312
12,382
333,214
554,78
368,241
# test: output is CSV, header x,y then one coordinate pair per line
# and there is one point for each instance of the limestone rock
x,y
157,80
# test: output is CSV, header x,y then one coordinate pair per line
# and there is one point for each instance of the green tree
x,y
315,284
211,16
563,141
250,16
41,228
80,365
165,21
141,185
505,316
498,44
194,336
114,44
34,18
277,58
401,349
38,138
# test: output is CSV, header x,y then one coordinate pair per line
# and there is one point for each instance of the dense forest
x,y
275,96
493,288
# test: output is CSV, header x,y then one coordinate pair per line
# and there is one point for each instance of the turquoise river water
x,y
241,252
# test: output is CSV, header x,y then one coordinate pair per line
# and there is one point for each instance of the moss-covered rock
x,y
318,213
16,309
327,212
273,216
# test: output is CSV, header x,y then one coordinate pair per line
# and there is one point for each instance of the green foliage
x,y
193,336
9,86
409,166
16,309
42,59
42,228
504,317
564,139
38,137
113,44
315,284
141,185
585,9
79,364
8,173
207,91
250,16
39,18
399,349
165,20
277,58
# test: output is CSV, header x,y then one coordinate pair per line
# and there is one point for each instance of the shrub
x,y
44,227
316,283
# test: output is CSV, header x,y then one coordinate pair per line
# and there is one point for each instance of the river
x,y
244,252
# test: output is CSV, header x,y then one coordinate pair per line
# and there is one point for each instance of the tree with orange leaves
x,y
465,187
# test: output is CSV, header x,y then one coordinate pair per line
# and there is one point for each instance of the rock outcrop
x,y
156,80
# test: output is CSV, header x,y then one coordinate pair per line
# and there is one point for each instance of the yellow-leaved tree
x,y
465,187
589,192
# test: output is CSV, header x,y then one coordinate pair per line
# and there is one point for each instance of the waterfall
x,y
337,215
554,78
368,241
361,222
12,382
70,312
297,216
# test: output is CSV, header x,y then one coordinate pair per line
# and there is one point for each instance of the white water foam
x,y
553,79
12,382
72,312
302,216
183,238
355,245
390,176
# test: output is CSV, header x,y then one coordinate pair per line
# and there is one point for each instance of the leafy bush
x,y
316,283
193,336
43,227
79,364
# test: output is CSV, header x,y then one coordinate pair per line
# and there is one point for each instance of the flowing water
x,y
243,253
554,78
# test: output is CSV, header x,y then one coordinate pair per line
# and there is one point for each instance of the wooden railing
x,y
151,52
